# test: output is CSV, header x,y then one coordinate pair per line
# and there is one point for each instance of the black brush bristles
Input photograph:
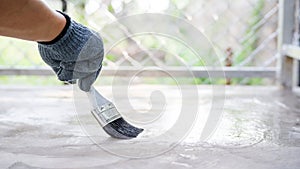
x,y
106,111
121,129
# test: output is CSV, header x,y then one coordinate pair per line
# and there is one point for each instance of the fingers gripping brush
x,y
109,118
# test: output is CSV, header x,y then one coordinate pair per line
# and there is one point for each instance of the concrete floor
x,y
39,128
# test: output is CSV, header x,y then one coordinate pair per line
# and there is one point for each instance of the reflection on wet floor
x,y
259,128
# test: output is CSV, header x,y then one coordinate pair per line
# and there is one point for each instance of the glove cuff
x,y
69,42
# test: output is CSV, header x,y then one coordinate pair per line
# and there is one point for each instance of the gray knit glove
x,y
76,53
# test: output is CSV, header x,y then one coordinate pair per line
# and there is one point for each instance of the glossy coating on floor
x,y
41,128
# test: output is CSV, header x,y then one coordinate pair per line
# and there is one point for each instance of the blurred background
x,y
245,34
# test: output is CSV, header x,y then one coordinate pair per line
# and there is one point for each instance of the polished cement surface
x,y
258,127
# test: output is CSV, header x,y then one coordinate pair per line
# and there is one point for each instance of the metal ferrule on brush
x,y
106,113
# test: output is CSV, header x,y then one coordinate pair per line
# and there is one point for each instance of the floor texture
x,y
254,127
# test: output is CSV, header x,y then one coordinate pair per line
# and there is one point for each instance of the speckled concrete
x,y
260,128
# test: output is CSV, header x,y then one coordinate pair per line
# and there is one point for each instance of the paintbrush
x,y
109,118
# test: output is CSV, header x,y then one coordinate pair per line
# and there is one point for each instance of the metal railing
x,y
288,44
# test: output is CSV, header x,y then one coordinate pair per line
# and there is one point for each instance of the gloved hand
x,y
76,53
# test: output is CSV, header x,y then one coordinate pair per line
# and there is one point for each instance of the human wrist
x,y
55,27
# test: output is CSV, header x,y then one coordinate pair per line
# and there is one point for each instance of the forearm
x,y
29,20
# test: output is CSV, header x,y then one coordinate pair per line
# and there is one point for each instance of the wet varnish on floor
x,y
259,128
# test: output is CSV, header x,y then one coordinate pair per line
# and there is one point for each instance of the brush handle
x,y
95,98
102,109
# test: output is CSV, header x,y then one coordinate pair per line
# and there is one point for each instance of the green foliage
x,y
249,44
111,57
110,8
